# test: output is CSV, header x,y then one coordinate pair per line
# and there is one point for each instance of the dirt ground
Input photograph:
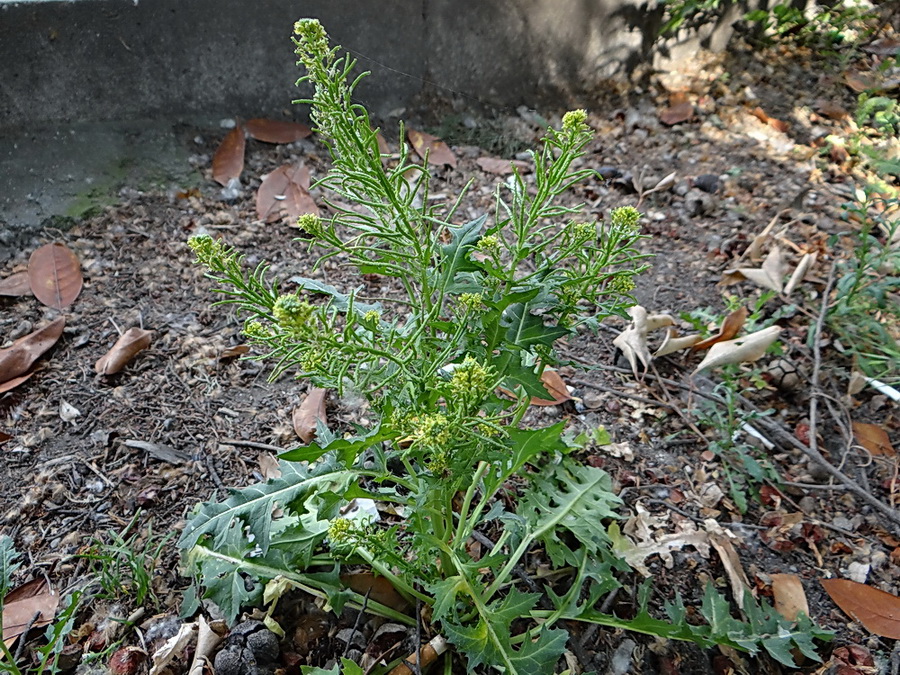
x,y
187,419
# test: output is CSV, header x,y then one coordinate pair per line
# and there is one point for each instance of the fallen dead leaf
x,y
9,385
859,81
673,343
555,386
21,605
737,578
877,611
383,147
437,151
132,341
233,352
54,273
741,350
873,438
174,647
377,588
730,327
789,596
276,131
228,162
15,285
268,466
807,261
831,110
18,358
308,413
633,340
208,638
676,114
776,124
285,193
500,167
770,275
68,412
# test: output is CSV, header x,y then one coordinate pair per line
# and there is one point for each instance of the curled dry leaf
x,y
377,588
742,350
878,611
675,114
54,273
9,385
233,352
175,647
633,340
285,193
790,599
308,413
673,343
22,604
18,358
132,341
803,266
737,578
555,386
276,131
770,275
437,151
228,162
731,326
15,285
873,438
208,638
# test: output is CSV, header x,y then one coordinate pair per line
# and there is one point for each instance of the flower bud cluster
x,y
625,218
293,314
471,302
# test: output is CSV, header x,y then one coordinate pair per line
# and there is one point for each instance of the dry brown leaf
x,y
770,275
737,578
233,352
495,165
741,350
285,193
673,343
438,152
208,638
276,131
174,647
4,437
228,162
633,340
886,46
21,605
9,385
131,342
555,386
877,611
675,114
873,438
268,466
859,81
54,273
377,588
807,261
731,326
383,147
761,115
307,414
790,599
15,285
18,358
831,110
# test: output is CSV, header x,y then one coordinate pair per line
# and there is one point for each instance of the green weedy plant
x,y
479,308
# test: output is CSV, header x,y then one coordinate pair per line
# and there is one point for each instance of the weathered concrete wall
x,y
124,59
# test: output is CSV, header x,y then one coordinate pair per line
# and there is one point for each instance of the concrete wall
x,y
125,59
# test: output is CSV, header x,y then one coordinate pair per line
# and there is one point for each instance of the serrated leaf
x,y
445,593
456,253
339,300
527,330
488,640
569,497
254,505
